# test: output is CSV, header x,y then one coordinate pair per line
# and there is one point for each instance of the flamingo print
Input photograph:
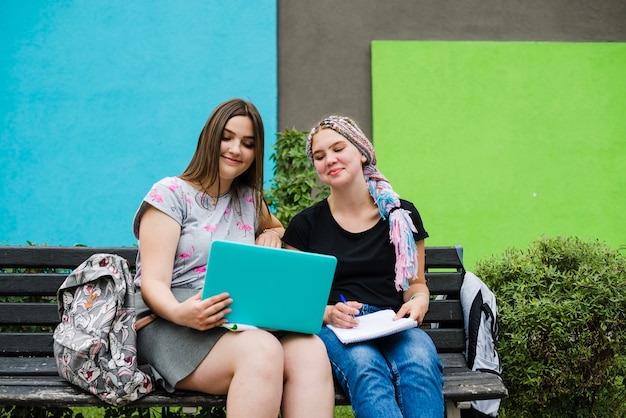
x,y
156,196
173,185
210,228
244,227
200,269
248,198
185,256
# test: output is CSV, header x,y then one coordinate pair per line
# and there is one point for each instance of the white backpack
x,y
480,313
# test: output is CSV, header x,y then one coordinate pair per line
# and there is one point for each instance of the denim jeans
x,y
395,376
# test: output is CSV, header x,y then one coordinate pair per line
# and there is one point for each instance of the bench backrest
x,y
30,277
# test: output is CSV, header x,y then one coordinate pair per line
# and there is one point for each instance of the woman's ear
x,y
363,159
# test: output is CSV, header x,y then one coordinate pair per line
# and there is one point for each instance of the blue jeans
x,y
395,376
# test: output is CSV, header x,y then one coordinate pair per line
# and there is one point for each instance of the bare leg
x,y
309,390
248,367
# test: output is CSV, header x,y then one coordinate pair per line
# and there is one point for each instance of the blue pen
x,y
344,301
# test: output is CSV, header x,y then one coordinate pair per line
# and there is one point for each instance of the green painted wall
x,y
499,143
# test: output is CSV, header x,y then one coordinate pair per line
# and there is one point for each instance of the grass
x,y
340,412
343,412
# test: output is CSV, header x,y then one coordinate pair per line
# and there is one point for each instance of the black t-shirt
x,y
365,260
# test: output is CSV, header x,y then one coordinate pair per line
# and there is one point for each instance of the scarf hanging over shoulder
x,y
401,225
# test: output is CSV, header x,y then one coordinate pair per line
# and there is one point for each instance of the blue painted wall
x,y
99,100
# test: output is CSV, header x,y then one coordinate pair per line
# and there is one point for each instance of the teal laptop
x,y
271,288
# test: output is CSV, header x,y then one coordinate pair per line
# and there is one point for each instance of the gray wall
x,y
324,45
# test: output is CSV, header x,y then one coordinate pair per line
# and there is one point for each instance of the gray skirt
x,y
171,351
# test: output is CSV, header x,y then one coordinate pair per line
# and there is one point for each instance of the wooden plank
x,y
471,386
454,361
46,366
442,257
27,313
447,340
444,283
57,257
28,366
26,344
70,257
30,284
53,391
444,311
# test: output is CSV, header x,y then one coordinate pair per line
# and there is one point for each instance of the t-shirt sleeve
x,y
417,220
298,232
169,197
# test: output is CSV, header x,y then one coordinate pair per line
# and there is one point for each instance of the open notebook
x,y
271,288
374,325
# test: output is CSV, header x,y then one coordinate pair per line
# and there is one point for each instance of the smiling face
x,y
237,148
229,151
337,161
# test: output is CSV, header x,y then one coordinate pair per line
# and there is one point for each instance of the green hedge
x,y
562,306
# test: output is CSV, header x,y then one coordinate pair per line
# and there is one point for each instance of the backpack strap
x,y
474,320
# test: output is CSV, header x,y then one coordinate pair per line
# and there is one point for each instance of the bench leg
x,y
453,409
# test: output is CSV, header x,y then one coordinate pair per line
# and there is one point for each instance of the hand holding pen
x,y
345,302
343,313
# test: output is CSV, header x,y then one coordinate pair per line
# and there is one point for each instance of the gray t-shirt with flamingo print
x,y
233,218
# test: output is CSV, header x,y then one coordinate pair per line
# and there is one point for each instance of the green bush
x,y
295,185
562,306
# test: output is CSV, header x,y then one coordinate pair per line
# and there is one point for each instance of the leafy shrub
x,y
295,185
562,304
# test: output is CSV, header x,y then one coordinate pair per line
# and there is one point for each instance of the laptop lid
x,y
271,288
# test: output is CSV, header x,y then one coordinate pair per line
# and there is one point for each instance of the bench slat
x,y
470,386
46,366
442,257
70,257
29,366
27,313
447,340
40,343
26,344
46,284
56,257
444,283
444,311
30,284
34,313
52,391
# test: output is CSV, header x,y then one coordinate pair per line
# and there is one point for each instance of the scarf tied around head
x,y
401,227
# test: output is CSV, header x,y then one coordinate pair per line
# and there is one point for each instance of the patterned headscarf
x,y
388,202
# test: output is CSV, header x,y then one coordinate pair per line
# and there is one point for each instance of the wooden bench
x,y
31,275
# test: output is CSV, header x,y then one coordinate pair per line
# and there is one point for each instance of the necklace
x,y
214,198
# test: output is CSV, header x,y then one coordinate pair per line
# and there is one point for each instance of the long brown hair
x,y
203,169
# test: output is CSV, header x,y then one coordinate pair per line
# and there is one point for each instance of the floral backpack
x,y
95,345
